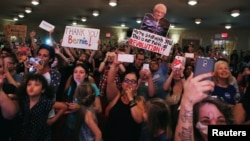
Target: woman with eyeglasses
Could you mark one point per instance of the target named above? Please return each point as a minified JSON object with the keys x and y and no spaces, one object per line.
{"x":125,"y":110}
{"x":198,"y":110}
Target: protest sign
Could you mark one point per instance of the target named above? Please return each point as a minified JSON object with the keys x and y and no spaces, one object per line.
{"x":16,"y":30}
{"x":149,"y":41}
{"x":79,"y":37}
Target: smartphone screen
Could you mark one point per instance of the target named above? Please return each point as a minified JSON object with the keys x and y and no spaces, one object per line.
{"x":204,"y":65}
{"x":146,"y":66}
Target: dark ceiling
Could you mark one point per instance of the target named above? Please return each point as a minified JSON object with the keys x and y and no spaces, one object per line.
{"x":214,"y":13}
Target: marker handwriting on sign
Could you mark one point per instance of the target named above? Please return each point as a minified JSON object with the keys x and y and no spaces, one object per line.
{"x":92,"y":34}
{"x":80,"y":32}
{"x":72,"y":40}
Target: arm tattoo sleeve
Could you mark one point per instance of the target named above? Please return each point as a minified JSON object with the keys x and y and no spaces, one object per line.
{"x":187,"y":116}
{"x":186,"y":133}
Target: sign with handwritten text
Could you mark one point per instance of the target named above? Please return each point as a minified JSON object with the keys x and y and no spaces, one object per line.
{"x":79,"y":37}
{"x":16,"y":30}
{"x":152,"y":42}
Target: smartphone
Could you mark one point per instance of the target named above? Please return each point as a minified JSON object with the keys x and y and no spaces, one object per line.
{"x":204,"y":65}
{"x":145,"y":66}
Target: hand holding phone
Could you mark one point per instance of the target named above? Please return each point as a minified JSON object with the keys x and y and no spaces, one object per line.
{"x":145,"y":66}
{"x":204,"y":65}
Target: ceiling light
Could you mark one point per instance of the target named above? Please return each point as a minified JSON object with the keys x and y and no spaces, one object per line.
{"x":228,"y":26}
{"x":123,"y":25}
{"x":192,"y":2}
{"x":138,"y":20}
{"x":20,"y":15}
{"x":235,"y":13}
{"x":35,"y":2}
{"x":172,"y":26}
{"x":197,"y":21}
{"x":74,"y":23}
{"x":84,"y":19}
{"x":15,"y":19}
{"x":113,"y":3}
{"x":95,"y":13}
{"x":28,"y":10}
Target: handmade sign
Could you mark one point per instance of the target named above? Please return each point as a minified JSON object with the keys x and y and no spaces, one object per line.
{"x":16,"y":30}
{"x":152,"y":42}
{"x":79,"y":37}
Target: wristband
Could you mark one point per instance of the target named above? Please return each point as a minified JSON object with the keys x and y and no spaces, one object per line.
{"x":132,"y":103}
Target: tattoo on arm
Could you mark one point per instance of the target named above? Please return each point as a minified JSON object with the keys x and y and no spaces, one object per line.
{"x":187,"y":116}
{"x":186,"y":133}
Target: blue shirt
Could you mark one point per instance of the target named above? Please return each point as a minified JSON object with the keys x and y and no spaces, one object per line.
{"x":159,"y":78}
{"x":226,"y":94}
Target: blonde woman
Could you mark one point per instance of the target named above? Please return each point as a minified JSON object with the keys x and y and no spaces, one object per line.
{"x":223,"y":83}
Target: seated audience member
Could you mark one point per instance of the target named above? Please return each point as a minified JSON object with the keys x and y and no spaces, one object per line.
{"x":198,"y":110}
{"x":157,"y":118}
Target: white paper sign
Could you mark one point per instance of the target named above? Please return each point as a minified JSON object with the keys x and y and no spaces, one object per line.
{"x":152,"y":42}
{"x":46,"y":26}
{"x":79,"y":37}
{"x":126,"y":58}
{"x":189,"y":55}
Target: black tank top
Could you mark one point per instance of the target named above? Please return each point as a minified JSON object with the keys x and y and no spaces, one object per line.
{"x":5,"y":128}
{"x":120,"y":125}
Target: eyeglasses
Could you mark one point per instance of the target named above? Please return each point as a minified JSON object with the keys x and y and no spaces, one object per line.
{"x":132,"y":81}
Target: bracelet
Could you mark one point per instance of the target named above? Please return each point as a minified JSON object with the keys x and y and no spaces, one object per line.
{"x":132,"y":103}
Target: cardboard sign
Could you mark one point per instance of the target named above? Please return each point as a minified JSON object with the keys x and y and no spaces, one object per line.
{"x":16,"y":30}
{"x":46,"y":26}
{"x":79,"y":37}
{"x":152,"y":42}
{"x":151,"y":24}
